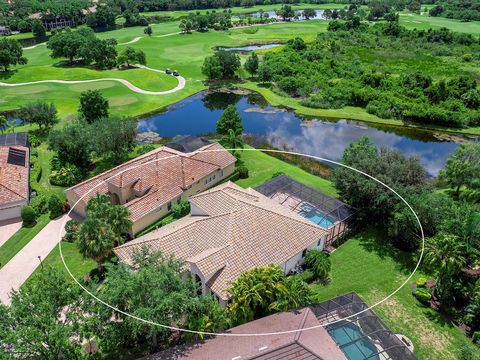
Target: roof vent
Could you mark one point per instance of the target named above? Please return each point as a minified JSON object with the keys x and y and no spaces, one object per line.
{"x":16,"y":157}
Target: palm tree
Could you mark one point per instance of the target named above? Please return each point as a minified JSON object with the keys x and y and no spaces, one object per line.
{"x":445,"y":254}
{"x":233,"y":141}
{"x":320,"y":264}
{"x":293,"y":294}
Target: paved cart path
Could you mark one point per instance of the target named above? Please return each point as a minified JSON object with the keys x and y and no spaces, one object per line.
{"x":128,"y":84}
{"x":24,"y":263}
{"x":8,"y":228}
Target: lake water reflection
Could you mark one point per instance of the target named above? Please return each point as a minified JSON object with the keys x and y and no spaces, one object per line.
{"x":282,"y":129}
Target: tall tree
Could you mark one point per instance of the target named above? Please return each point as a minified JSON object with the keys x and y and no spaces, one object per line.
{"x":93,"y":106}
{"x":251,"y":65}
{"x":132,"y":56}
{"x":72,"y":144}
{"x":41,"y":113}
{"x":38,"y":29}
{"x":221,"y":65}
{"x":463,"y":166}
{"x":43,"y":320}
{"x":172,"y":299}
{"x":309,"y":13}
{"x":230,"y":119}
{"x":233,"y":141}
{"x":113,"y":137}
{"x":11,"y":53}
{"x":102,"y":229}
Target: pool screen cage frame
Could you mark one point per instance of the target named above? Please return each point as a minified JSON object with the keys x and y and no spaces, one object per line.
{"x":389,"y":346}
{"x":331,"y":208}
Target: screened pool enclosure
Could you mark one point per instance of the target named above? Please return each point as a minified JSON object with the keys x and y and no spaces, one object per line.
{"x":363,"y":336}
{"x":326,"y":211}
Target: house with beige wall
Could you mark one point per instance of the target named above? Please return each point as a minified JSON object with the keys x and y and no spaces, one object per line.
{"x":149,"y":185}
{"x":231,"y":230}
{"x":14,"y":175}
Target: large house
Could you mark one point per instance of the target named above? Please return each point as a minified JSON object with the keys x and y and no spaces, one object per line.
{"x":150,"y":184}
{"x":231,"y":230}
{"x":14,"y":174}
{"x":337,"y":329}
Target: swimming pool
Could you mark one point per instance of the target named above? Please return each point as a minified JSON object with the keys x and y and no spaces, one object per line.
{"x":316,"y":216}
{"x":348,"y":337}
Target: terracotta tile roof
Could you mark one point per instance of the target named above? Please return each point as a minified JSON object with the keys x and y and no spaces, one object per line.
{"x":311,"y":344}
{"x":243,"y":229}
{"x":158,"y":182}
{"x":13,"y":178}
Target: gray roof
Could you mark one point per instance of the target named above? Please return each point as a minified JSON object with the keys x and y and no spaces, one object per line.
{"x":14,"y":139}
{"x":187,"y":143}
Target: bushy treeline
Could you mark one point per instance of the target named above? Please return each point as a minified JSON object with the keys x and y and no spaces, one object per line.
{"x":343,"y":67}
{"x":457,"y":9}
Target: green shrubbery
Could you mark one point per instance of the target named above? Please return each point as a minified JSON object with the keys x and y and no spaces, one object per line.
{"x":67,"y":175}
{"x":72,"y":227}
{"x":29,"y":216}
{"x":329,"y":73}
{"x":319,"y":263}
{"x":40,"y":204}
{"x":242,"y":171}
{"x":181,"y":209}
{"x":55,"y":206}
{"x":421,"y":282}
{"x":422,"y":295}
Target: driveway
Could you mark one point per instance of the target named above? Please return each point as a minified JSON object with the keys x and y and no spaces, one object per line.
{"x":24,"y":263}
{"x":8,"y":228}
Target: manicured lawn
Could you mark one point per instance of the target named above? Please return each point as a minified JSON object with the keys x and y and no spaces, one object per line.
{"x":40,"y":174}
{"x":374,"y":271}
{"x":261,"y":167}
{"x":75,"y":262}
{"x":424,"y":22}
{"x":21,"y":238}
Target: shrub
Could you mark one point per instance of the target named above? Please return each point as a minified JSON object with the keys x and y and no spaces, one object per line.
{"x":277,"y":173}
{"x":476,"y":337}
{"x":181,"y":209}
{"x":307,"y":276}
{"x":72,"y":227}
{"x":55,"y":206}
{"x":242,"y":171}
{"x":421,"y":282}
{"x":28,"y":216}
{"x":40,"y":204}
{"x":319,"y":263}
{"x":422,"y":295}
{"x":66,"y":175}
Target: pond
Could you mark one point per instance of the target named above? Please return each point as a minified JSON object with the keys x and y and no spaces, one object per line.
{"x":248,"y":47}
{"x":282,"y":129}
{"x":272,"y":14}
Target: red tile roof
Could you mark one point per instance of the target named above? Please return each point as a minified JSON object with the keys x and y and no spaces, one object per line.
{"x":158,"y":181}
{"x":13,"y":178}
{"x":311,"y":344}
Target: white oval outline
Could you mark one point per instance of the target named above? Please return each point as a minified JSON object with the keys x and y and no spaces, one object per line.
{"x":245,"y":334}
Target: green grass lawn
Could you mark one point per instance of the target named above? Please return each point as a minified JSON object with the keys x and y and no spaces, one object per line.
{"x":75,"y":262}
{"x":262,"y":166}
{"x":21,"y":238}
{"x":374,"y":271}
{"x":424,"y":22}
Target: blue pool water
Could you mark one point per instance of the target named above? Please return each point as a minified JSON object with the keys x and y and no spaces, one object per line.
{"x":316,"y":217}
{"x":347,"y":333}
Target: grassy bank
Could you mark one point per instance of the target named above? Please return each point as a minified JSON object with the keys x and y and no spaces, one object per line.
{"x":348,"y":112}
{"x":262,"y":166}
{"x":374,"y":271}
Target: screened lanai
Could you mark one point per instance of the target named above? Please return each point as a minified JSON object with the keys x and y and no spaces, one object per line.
{"x":326,"y":211}
{"x":363,"y":336}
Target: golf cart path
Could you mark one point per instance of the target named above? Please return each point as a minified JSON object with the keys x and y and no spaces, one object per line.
{"x":14,"y":273}
{"x":138,"y":38}
{"x":128,"y":84}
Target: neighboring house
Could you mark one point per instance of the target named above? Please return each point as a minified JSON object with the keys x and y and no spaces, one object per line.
{"x":231,"y":230}
{"x":149,"y":191}
{"x":337,"y":329}
{"x":306,"y":345}
{"x":14,"y":174}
